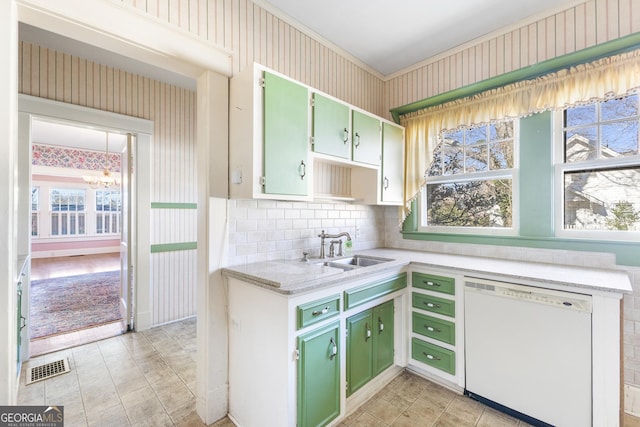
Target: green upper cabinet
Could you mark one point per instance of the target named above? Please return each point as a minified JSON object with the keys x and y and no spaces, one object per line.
{"x":366,"y":138}
{"x":286,"y":134}
{"x":392,"y":164}
{"x":319,"y":377}
{"x":331,"y":127}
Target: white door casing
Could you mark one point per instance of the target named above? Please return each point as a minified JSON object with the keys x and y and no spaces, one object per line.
{"x":139,"y":218}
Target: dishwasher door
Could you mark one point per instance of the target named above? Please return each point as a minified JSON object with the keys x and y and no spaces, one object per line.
{"x":529,"y":350}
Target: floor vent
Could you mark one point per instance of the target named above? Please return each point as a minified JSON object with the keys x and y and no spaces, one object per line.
{"x":48,"y":370}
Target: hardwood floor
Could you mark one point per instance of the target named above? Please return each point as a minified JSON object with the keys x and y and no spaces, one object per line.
{"x":45,"y":268}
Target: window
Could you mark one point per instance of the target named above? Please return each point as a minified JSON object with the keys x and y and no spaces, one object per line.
{"x":108,"y":207}
{"x":67,"y":212}
{"x":599,"y":169}
{"x":471,"y":180}
{"x":35,"y":211}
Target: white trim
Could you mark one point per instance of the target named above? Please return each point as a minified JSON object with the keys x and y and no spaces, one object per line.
{"x":119,"y":28}
{"x":143,"y":129}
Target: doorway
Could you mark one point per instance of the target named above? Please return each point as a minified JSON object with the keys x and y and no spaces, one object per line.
{"x":85,"y":233}
{"x":77,"y":227}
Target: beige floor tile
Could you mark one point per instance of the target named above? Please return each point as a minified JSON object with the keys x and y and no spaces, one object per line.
{"x":466,"y":409}
{"x":139,"y":410}
{"x":631,"y":421}
{"x":383,"y":410}
{"x":367,"y":420}
{"x":492,"y":418}
{"x":452,"y":420}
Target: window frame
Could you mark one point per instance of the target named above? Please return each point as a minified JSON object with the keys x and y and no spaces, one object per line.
{"x":511,"y":173}
{"x":69,"y":213}
{"x":107,"y":215}
{"x":560,"y":167}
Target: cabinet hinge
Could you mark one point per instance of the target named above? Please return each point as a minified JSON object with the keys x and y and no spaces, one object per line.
{"x":346,"y":333}
{"x":312,"y":102}
{"x":296,"y":354}
{"x":263,"y":180}
{"x":261,"y":82}
{"x":312,"y":143}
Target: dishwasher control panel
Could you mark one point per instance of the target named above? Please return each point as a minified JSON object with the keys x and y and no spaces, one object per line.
{"x":567,"y":300}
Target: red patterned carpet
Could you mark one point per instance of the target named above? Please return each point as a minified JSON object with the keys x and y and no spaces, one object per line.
{"x":71,"y":303}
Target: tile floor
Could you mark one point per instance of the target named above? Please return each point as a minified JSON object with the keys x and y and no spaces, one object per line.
{"x":149,"y":379}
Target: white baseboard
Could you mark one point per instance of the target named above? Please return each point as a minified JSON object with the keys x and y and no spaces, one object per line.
{"x":632,"y":400}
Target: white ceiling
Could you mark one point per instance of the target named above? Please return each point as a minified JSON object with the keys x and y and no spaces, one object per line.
{"x":389,"y":36}
{"x":76,"y":136}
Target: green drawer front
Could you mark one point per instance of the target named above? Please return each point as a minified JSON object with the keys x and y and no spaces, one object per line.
{"x":432,"y":355}
{"x":441,"y":330}
{"x":316,"y":311}
{"x":446,"y":285}
{"x":443,"y":306}
{"x":366,"y":293}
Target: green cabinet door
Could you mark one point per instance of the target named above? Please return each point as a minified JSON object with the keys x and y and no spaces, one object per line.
{"x":392,"y":163}
{"x":359,"y":350}
{"x":286,"y":134}
{"x":383,"y":337}
{"x":331,"y":129}
{"x":318,"y":376}
{"x":366,"y":139}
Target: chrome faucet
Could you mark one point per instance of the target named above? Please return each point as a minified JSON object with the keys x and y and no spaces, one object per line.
{"x":324,"y":235}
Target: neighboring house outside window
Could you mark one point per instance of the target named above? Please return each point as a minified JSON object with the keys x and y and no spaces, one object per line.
{"x":598,"y":169}
{"x":470,"y":182}
{"x":35,"y":211}
{"x":108,"y":208}
{"x":67,"y":212}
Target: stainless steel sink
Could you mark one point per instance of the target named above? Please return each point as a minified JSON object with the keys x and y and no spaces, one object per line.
{"x":353,"y":262}
{"x":360,"y":261}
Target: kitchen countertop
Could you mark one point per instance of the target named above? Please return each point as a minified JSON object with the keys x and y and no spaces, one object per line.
{"x":294,"y":276}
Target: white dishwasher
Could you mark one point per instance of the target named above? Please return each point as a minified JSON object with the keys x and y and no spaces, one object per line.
{"x":528,"y":350}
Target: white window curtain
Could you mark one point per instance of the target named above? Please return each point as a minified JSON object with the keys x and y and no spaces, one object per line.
{"x":596,"y":81}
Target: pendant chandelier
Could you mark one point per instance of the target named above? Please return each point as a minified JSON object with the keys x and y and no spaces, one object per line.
{"x":106,"y":179}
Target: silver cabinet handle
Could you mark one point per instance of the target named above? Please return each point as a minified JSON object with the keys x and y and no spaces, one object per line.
{"x":431,"y":356}
{"x":319,"y":312}
{"x":432,"y":305}
{"x":386,"y":182}
{"x":430,"y":283}
{"x":432,"y":329}
{"x":345,"y":137}
{"x":333,"y":349}
{"x":356,"y":140}
{"x":23,"y":322}
{"x":302,"y":169}
{"x":367,"y":332}
{"x":380,"y":325}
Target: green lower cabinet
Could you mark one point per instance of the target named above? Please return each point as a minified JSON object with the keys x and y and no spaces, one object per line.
{"x":384,"y":339}
{"x":370,"y":345}
{"x":319,"y":376}
{"x":359,"y":350}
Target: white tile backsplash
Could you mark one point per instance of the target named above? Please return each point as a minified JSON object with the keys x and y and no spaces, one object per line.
{"x":261,"y":230}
